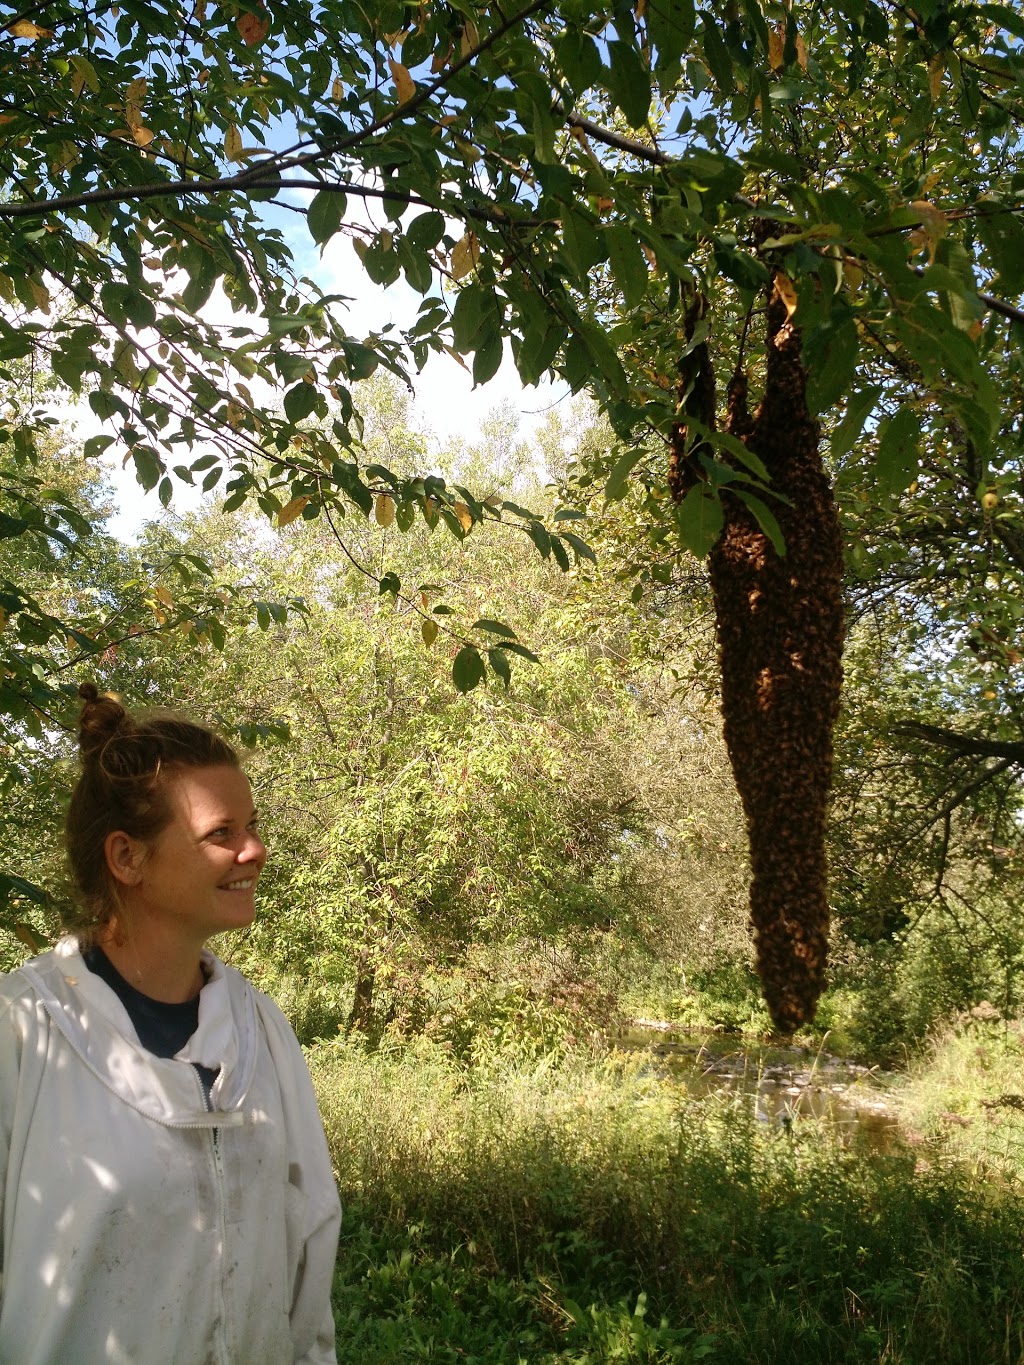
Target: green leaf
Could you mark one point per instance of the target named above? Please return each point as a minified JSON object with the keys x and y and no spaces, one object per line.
{"x":300,"y":401}
{"x":765,"y":519}
{"x":325,"y":215}
{"x":539,"y":535}
{"x":670,"y":24}
{"x":629,"y":82}
{"x":627,"y":261}
{"x":495,"y":627}
{"x":514,"y":647}
{"x":1005,"y":17}
{"x":831,"y":352}
{"x":858,"y":408}
{"x":717,"y":55}
{"x":699,"y":519}
{"x":500,"y":665}
{"x":583,"y":242}
{"x":898,"y":457}
{"x":467,"y":668}
{"x":618,"y":479}
{"x":582,"y":549}
{"x":488,"y":356}
{"x":468,"y":315}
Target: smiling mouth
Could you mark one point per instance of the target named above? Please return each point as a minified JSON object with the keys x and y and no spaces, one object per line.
{"x":240,"y":886}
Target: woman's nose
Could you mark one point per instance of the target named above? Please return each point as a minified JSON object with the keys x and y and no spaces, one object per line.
{"x":254,"y":850}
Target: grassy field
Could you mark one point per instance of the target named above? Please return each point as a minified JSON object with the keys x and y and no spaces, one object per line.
{"x":585,"y":1210}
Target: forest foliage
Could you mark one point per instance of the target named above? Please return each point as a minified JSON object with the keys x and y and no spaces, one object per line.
{"x":558,"y":183}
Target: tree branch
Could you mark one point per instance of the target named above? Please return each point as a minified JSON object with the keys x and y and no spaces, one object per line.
{"x":618,"y":141}
{"x":970,"y":745}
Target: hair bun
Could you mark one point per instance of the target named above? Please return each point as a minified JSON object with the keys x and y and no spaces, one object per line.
{"x":101,"y":718}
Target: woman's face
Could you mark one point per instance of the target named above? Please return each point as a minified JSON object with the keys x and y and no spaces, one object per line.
{"x":198,"y":876}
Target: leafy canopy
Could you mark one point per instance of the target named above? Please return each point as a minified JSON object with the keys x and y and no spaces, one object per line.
{"x":559,"y":180}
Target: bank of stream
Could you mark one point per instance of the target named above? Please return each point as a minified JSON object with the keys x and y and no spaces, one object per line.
{"x":786,"y":1082}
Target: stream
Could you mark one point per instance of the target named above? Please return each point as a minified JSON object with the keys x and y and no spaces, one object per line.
{"x":786,"y":1083}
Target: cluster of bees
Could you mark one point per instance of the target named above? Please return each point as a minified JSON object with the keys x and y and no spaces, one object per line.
{"x":780,"y":634}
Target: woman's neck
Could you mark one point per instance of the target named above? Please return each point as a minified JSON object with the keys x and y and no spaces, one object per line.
{"x":168,"y":972}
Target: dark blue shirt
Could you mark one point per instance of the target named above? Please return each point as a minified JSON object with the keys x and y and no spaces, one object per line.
{"x":163,"y":1028}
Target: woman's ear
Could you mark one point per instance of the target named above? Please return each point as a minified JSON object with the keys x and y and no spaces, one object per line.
{"x":124,"y":857}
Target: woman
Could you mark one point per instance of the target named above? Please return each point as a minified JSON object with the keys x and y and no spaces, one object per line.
{"x":167,"y":1190}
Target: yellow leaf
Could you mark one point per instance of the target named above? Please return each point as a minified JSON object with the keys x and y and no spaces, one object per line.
{"x":470,"y":39}
{"x":776,"y":47}
{"x":338,"y":89}
{"x":65,"y":157}
{"x":429,"y":631}
{"x":404,"y":83}
{"x":465,"y":255}
{"x":787,"y":293}
{"x":470,"y":154}
{"x":936,"y":71}
{"x":430,"y":512}
{"x":801,"y":53}
{"x":464,"y":515}
{"x":252,"y":28}
{"x":853,"y":272}
{"x":163,"y":595}
{"x":25,"y":28}
{"x":384,"y":509}
{"x":440,"y":60}
{"x":133,"y":98}
{"x":933,"y":227}
{"x":291,"y":510}
{"x":40,"y":293}
{"x":143,"y":136}
{"x":233,"y":143}
{"x":236,"y":415}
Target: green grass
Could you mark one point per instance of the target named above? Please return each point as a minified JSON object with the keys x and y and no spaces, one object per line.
{"x":966,"y":1092}
{"x":587,"y":1211}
